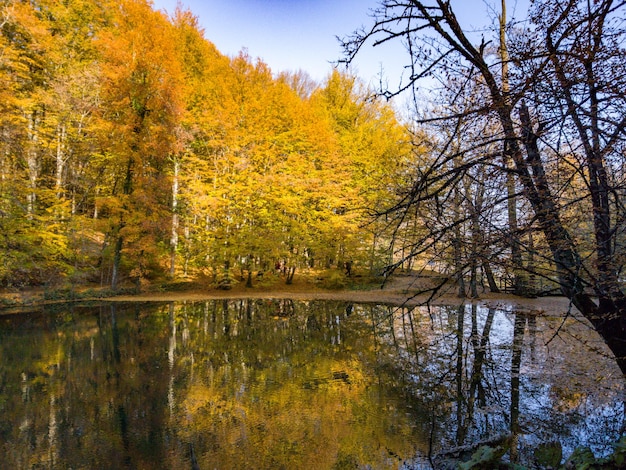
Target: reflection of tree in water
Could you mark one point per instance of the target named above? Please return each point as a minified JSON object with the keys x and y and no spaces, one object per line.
{"x":486,"y":377}
{"x":270,"y":383}
{"x":289,"y":391}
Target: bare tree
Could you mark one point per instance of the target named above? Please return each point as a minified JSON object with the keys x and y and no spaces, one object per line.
{"x":562,"y":100}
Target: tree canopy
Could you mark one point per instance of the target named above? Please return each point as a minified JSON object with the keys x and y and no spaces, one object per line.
{"x":132,"y":149}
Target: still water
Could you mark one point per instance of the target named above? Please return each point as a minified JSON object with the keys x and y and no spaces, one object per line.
{"x":234,"y":384}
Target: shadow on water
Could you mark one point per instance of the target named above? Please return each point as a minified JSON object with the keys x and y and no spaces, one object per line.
{"x":288,"y":384}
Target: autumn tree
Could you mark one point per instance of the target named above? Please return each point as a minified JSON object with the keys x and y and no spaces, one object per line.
{"x":374,"y":146}
{"x":141,"y":109}
{"x":22,"y":64}
{"x":564,"y":98}
{"x":206,"y":74}
{"x":50,"y":87}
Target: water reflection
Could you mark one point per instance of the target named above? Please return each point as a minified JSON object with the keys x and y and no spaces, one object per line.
{"x":286,"y":384}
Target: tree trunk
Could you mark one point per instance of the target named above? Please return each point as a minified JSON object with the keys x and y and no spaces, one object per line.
{"x":117,"y":257}
{"x":519,"y":287}
{"x":607,"y":317}
{"x":457,"y":246}
{"x":531,"y":285}
{"x":119,"y":243}
{"x":60,"y":160}
{"x":474,"y":205}
{"x":491,"y":280}
{"x":175,"y":223}
{"x":32,"y":161}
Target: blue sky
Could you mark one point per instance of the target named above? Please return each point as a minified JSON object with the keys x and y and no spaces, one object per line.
{"x":300,"y":34}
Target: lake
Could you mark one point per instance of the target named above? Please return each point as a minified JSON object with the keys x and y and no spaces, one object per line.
{"x":275,"y":383}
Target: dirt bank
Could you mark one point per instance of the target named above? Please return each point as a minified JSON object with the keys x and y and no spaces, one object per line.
{"x":406,"y":290}
{"x":403,"y":289}
{"x":545,"y":304}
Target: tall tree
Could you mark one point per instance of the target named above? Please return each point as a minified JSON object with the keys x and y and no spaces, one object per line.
{"x":516,"y":255}
{"x":208,"y":101}
{"x":142,"y":106}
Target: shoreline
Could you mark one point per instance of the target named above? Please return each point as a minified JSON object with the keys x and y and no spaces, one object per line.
{"x":397,"y":298}
{"x":553,"y":305}
{"x":401,"y":290}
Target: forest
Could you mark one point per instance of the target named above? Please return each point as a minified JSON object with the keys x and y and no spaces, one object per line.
{"x":132,"y":150}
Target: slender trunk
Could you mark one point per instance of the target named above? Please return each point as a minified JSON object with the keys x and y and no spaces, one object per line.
{"x":516,"y":254}
{"x":474,"y":205}
{"x":473,"y":279}
{"x":32,"y":161}
{"x":373,"y":252}
{"x":531,"y":286}
{"x":491,"y":280}
{"x":60,"y":160}
{"x":119,"y":242}
{"x":457,"y":247}
{"x":175,"y":223}
{"x":186,"y":248}
{"x":117,"y":258}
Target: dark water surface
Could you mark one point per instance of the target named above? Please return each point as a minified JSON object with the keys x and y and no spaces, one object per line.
{"x":233,"y":384}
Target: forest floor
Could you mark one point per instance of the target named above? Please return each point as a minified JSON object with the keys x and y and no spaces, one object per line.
{"x":406,"y":289}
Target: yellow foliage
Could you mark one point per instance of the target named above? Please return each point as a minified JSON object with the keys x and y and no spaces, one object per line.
{"x":104,"y":99}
